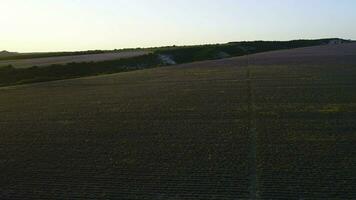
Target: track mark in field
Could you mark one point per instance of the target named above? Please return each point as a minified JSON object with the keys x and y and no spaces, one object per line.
{"x":253,"y":135}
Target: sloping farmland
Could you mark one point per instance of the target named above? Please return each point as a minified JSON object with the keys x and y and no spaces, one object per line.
{"x":278,"y":125}
{"x":59,"y":60}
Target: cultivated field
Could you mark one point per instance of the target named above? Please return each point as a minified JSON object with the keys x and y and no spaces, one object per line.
{"x":41,"y":62}
{"x":278,"y":125}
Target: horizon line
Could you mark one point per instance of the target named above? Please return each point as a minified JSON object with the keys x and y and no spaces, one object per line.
{"x":174,"y":45}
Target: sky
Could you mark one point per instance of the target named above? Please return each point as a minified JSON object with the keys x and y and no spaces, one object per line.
{"x":71,"y":25}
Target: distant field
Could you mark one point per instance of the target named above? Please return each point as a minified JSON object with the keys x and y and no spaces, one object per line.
{"x":41,"y":62}
{"x":75,"y":65}
{"x":179,"y":54}
{"x":277,"y":125}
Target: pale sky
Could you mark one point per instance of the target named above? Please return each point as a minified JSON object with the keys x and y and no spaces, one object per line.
{"x":68,"y":25}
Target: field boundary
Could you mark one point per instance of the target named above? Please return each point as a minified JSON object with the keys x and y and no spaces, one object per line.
{"x":254,"y":189}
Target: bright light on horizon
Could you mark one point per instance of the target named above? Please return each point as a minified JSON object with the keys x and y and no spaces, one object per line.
{"x":71,"y":25}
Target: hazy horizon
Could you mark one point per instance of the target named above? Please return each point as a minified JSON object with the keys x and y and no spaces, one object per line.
{"x":133,"y":48}
{"x":37,"y":26}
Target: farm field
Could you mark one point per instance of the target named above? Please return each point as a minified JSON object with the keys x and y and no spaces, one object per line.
{"x":58,"y":60}
{"x":90,"y":63}
{"x":276,"y":125}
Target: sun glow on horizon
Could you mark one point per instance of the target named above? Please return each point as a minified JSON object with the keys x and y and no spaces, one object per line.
{"x":67,"y":25}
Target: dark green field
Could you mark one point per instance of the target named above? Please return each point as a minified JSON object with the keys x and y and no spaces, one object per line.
{"x":278,"y":125}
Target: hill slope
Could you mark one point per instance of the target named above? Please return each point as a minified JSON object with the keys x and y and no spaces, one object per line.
{"x":57,"y":60}
{"x":278,"y":125}
{"x":75,"y":64}
{"x":6,"y":54}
